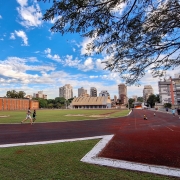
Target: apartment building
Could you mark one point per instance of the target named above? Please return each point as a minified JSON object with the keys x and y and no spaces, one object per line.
{"x":93,"y":92}
{"x":122,"y":88}
{"x":66,"y":91}
{"x":169,"y":90}
{"x":82,"y":92}
{"x":147,"y":91}
{"x":40,"y":95}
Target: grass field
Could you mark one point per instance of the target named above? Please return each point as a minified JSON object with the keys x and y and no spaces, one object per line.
{"x":60,"y":115}
{"x":60,"y":162}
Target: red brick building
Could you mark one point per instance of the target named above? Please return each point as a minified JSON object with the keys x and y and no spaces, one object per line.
{"x":17,"y":104}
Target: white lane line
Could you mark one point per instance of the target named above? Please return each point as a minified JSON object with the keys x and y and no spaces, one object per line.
{"x":170,"y":129}
{"x":92,"y":158}
{"x":49,"y":142}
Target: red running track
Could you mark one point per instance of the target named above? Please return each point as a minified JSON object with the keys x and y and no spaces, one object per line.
{"x":153,"y":141}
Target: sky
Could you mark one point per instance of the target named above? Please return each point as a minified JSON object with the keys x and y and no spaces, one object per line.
{"x":33,"y":59}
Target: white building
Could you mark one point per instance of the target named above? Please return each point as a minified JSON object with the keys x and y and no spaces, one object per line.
{"x":169,"y":91}
{"x":66,"y":91}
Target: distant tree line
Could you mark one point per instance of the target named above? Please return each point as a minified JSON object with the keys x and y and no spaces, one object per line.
{"x":15,"y":94}
{"x":152,"y":99}
{"x":58,"y":102}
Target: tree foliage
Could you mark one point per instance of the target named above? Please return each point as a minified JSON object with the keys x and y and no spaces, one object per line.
{"x":130,"y":101}
{"x":167,"y":105}
{"x":140,"y":99}
{"x":15,"y":94}
{"x":135,"y":34}
{"x":152,"y":99}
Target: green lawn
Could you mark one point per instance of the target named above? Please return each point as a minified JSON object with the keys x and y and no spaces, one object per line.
{"x":60,"y":161}
{"x":59,"y":115}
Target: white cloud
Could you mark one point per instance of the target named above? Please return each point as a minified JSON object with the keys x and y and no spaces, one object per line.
{"x":54,"y":57}
{"x":12,"y":36}
{"x":47,"y":51}
{"x":22,"y":2}
{"x":14,"y":70}
{"x":70,"y":62}
{"x":84,"y":46}
{"x":30,"y":16}
{"x":92,"y":77}
{"x":87,"y":66}
{"x":22,"y":35}
{"x":0,"y":17}
{"x":99,"y":64}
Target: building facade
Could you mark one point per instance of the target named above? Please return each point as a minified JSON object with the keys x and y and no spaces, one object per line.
{"x":66,"y":91}
{"x":122,"y":88}
{"x":40,"y":95}
{"x":169,"y":91}
{"x":147,"y":91}
{"x":81,"y":91}
{"x":165,"y":91}
{"x":93,"y":92}
{"x":18,"y":104}
{"x":176,"y":82}
{"x":104,"y":93}
{"x":102,"y":102}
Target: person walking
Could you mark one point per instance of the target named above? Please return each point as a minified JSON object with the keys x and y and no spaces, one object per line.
{"x":173,"y":112}
{"x":178,"y":112}
{"x":28,"y":116}
{"x":167,"y":110}
{"x":34,"y":115}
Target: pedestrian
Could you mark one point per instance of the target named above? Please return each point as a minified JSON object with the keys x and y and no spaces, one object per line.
{"x":173,"y":112}
{"x":178,"y":112}
{"x":167,"y":110}
{"x":145,"y":118}
{"x":154,"y":114}
{"x":28,"y":116}
{"x":34,"y":115}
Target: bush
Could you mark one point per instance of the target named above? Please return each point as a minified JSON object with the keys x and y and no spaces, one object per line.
{"x":167,"y":105}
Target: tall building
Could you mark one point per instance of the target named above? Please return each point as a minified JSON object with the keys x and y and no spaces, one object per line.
{"x":93,"y":92}
{"x":40,"y":95}
{"x":81,"y":91}
{"x":66,"y":91}
{"x":169,"y":90}
{"x":104,"y":93}
{"x":176,"y":82}
{"x":147,"y":91}
{"x":122,"y":88}
{"x":115,"y":98}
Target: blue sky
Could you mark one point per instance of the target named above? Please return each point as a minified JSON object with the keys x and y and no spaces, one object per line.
{"x":33,"y":59}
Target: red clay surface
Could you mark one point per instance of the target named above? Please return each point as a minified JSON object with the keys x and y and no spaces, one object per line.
{"x":153,"y":141}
